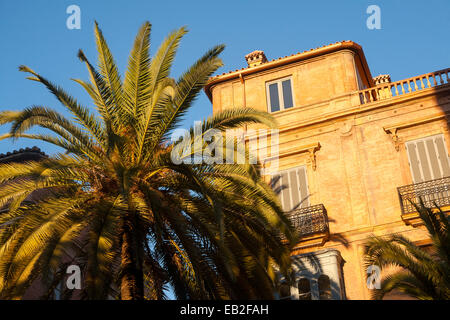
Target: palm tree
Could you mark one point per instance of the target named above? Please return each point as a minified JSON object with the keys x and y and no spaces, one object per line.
{"x":117,"y":205}
{"x":425,"y":275}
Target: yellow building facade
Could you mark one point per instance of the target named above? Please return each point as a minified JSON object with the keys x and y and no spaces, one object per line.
{"x":351,"y":150}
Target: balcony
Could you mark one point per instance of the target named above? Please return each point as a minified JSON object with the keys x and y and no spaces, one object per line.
{"x":390,"y":90}
{"x":431,"y":192}
{"x":312,"y":223}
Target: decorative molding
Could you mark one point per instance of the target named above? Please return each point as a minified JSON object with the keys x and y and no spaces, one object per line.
{"x":392,"y":130}
{"x":241,"y":78}
{"x":413,"y":219}
{"x":315,"y":240}
{"x":346,"y":129}
{"x":312,"y":155}
{"x":393,"y":134}
{"x":311,"y":149}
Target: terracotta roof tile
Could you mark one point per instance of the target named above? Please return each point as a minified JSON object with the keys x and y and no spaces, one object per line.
{"x":276,"y":59}
{"x":22,"y":155}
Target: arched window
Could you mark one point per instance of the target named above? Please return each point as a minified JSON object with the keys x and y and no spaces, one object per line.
{"x":304,"y":289}
{"x":324,"y":287}
{"x":285,"y":291}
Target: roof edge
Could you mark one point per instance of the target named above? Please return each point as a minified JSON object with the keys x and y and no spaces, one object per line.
{"x":22,"y":155}
{"x":338,"y":46}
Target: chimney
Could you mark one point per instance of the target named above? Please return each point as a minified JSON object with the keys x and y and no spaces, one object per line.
{"x":255,"y":58}
{"x":382,"y":78}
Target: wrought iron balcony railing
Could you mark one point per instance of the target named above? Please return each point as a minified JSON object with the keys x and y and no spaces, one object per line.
{"x":310,"y":220}
{"x":431,"y":192}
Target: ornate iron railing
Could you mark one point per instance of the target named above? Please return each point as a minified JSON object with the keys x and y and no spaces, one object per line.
{"x":431,"y":192}
{"x":310,"y":220}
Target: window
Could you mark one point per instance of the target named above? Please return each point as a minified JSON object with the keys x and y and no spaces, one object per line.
{"x":304,"y":289}
{"x":285,"y":291}
{"x":292,"y":188}
{"x":428,"y":158}
{"x":279,"y":94}
{"x":324,"y":287}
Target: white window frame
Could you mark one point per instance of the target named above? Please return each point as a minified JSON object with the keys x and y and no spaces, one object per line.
{"x":280,"y":94}
{"x":424,"y":139}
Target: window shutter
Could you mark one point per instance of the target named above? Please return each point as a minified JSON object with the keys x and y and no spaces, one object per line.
{"x":442,"y":155}
{"x":285,"y":196}
{"x":304,"y":194}
{"x":428,"y":159}
{"x":434,"y":159}
{"x":424,"y":163}
{"x":414,"y":162}
{"x":294,"y":189}
{"x":276,"y":184}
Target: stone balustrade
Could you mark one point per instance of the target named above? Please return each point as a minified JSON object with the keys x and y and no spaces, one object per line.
{"x":406,"y":86}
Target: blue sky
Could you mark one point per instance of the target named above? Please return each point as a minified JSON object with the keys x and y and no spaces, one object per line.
{"x":414,"y":39}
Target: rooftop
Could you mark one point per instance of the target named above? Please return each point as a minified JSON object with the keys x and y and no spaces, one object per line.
{"x":23,"y":155}
{"x":333,"y":47}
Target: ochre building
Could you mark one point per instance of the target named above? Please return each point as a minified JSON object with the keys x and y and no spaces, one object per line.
{"x":352,"y":149}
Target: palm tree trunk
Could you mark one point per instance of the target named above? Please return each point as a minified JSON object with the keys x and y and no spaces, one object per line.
{"x":131,"y":277}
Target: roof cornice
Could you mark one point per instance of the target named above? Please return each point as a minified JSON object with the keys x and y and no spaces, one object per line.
{"x":338,"y":46}
{"x":27,"y":154}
